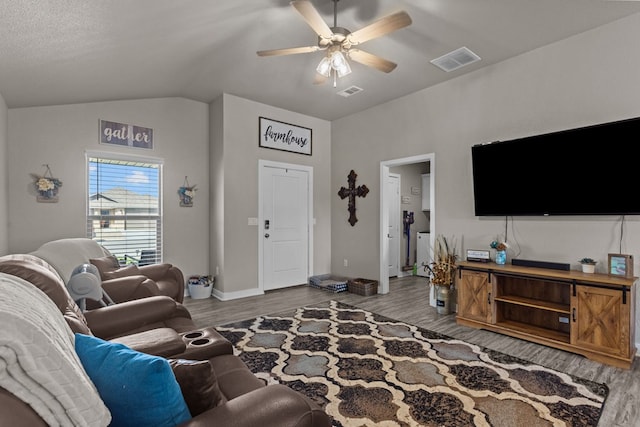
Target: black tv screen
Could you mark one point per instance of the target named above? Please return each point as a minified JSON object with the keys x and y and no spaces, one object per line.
{"x":592,"y":170}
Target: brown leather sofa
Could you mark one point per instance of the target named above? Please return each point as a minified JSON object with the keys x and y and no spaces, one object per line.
{"x":241,"y":399}
{"x":121,"y":283}
{"x":156,"y":325}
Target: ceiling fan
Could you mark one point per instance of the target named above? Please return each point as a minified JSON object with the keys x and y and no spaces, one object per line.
{"x":339,"y":43}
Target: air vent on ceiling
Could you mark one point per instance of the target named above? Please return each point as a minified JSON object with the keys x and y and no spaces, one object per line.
{"x":351,"y":90}
{"x":455,"y":59}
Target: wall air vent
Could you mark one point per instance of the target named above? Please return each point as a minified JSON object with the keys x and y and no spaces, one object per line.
{"x":351,"y":90}
{"x":455,"y":59}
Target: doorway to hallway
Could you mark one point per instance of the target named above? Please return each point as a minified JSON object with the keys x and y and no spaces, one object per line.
{"x":386,"y":200}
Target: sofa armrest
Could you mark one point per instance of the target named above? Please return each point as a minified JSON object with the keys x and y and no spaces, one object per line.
{"x":155,"y":271}
{"x":168,"y":273}
{"x":117,"y":319}
{"x":271,"y":406}
{"x":130,"y":288}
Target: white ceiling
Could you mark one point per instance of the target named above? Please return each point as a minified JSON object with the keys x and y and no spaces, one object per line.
{"x":74,"y":51}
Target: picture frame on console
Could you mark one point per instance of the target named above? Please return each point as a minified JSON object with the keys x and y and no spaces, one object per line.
{"x":621,"y":265}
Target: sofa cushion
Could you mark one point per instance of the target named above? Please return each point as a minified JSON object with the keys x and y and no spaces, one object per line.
{"x":163,"y":342}
{"x":104,"y":264}
{"x":39,"y":276}
{"x":129,"y":270}
{"x":66,"y":254}
{"x":139,"y":389}
{"x":48,"y":281}
{"x":198,"y":383}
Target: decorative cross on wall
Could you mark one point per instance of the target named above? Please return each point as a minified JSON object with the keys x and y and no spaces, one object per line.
{"x":351,"y":193}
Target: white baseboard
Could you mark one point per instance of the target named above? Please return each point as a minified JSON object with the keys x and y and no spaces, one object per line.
{"x":228,"y":296}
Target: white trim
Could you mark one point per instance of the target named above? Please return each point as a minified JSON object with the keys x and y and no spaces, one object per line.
{"x":116,"y":155}
{"x":399,"y":239}
{"x":228,"y":296}
{"x":262,"y":164}
{"x":110,"y":155}
{"x":384,"y":212}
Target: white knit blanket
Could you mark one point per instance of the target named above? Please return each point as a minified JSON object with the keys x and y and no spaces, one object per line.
{"x":38,"y":362}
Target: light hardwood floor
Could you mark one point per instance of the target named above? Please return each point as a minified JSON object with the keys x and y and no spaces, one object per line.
{"x":408,"y":301}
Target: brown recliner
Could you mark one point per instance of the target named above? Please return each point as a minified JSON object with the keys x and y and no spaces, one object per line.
{"x":238,"y":398}
{"x":121,"y":283}
{"x":168,"y":279}
{"x":156,"y":325}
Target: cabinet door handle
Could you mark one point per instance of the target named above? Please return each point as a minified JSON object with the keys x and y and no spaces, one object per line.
{"x":489,"y":298}
{"x":573,"y":314}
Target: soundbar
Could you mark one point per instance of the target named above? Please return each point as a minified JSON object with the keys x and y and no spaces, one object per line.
{"x":541,"y":264}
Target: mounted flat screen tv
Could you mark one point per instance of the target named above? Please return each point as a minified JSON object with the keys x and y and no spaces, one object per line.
{"x":592,"y":170}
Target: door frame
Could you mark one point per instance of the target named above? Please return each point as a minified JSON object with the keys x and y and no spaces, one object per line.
{"x":399,"y":237}
{"x":262,"y":165}
{"x":384,"y":212}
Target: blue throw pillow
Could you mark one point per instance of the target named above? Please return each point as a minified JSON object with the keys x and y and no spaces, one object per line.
{"x":139,"y":389}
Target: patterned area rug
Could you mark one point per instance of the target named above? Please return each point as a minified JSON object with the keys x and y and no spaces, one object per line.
{"x":366,"y":370}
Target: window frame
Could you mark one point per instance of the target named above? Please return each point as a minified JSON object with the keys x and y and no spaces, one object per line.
{"x":91,"y":219}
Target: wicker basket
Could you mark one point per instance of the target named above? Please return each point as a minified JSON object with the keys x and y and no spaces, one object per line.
{"x":363,"y":287}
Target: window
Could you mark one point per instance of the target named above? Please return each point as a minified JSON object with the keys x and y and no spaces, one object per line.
{"x":124,"y":208}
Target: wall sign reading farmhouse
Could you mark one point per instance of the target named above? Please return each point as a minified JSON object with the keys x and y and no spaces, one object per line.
{"x":123,"y":134}
{"x":283,"y":136}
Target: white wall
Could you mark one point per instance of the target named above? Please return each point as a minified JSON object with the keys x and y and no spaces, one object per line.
{"x":587,"y":79}
{"x":4,"y":182}
{"x":238,"y":256}
{"x":60,"y":135}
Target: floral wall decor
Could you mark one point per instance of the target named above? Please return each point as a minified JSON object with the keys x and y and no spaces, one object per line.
{"x":186,"y":193}
{"x":47,"y":186}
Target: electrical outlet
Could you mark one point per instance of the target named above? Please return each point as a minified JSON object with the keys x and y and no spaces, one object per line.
{"x":217,"y":270}
{"x":346,"y":263}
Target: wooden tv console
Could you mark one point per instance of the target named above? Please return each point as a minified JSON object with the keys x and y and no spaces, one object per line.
{"x":588,"y":314}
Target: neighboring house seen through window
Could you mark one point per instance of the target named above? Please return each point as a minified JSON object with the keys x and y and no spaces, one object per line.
{"x":124,"y":208}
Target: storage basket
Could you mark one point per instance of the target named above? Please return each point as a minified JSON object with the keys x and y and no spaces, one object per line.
{"x":329,"y":283}
{"x":200,"y":287}
{"x":362,"y":286}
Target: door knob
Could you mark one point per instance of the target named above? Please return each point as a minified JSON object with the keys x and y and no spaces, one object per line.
{"x":266,"y":235}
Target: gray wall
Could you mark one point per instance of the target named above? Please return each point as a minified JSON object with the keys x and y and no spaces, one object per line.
{"x":60,"y":135}
{"x":235,"y":181}
{"x":4,"y":182}
{"x":583,"y":80}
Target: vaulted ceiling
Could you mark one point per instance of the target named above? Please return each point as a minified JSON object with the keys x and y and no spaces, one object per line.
{"x":74,"y":51}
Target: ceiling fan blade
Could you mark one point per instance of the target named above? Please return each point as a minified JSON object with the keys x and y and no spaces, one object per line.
{"x":288,"y":51}
{"x":372,"y":60}
{"x":313,"y":18}
{"x":380,"y":27}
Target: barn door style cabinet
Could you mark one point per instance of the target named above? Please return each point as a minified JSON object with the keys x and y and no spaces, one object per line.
{"x":588,"y":314}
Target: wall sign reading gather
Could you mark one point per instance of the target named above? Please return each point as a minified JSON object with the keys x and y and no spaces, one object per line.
{"x":284,"y":136}
{"x":124,"y":134}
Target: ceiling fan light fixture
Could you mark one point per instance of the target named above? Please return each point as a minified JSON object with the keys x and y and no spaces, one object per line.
{"x":340,"y":64}
{"x":324,"y":67}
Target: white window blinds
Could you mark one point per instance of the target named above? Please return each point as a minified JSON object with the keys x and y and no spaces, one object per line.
{"x":124,"y":208}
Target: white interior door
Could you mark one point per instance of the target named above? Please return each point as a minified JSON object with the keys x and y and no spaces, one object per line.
{"x":284,"y":228}
{"x":393,"y":234}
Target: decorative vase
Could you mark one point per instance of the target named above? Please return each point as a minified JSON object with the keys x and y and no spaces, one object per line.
{"x":588,"y":268}
{"x":442,"y":300}
{"x":501,"y":257}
